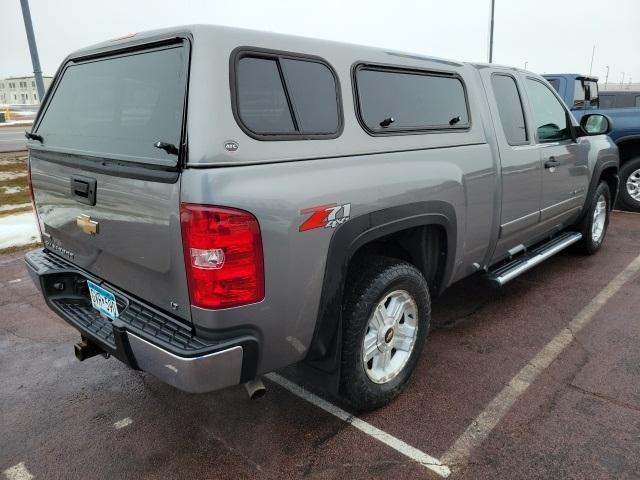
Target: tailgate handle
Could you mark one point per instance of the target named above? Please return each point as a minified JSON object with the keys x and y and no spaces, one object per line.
{"x":83,"y":189}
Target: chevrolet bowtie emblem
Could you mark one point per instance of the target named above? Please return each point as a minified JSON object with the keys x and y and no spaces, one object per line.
{"x":88,"y":226}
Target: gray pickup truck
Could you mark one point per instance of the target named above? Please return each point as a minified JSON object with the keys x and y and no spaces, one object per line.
{"x":218,"y":203}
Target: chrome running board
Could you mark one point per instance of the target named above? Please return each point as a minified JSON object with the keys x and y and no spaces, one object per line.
{"x":513,"y":268}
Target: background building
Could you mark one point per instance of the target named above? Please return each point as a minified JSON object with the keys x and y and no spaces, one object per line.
{"x":21,"y":90}
{"x":619,"y":86}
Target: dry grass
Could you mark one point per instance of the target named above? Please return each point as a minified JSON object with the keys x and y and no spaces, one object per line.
{"x":19,"y":248}
{"x":14,"y":190}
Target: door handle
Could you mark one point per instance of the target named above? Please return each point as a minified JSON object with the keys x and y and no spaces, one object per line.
{"x":551,"y":163}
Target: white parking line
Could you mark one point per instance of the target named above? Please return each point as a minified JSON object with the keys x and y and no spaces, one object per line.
{"x":18,"y":472}
{"x":125,"y":422}
{"x":398,"y":445}
{"x":484,"y":423}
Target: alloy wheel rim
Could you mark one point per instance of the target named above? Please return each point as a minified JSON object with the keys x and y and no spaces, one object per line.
{"x":633,"y":185}
{"x":390,"y":336}
{"x":599,"y":219}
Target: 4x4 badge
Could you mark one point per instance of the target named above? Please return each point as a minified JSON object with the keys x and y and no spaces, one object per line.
{"x":325,"y":216}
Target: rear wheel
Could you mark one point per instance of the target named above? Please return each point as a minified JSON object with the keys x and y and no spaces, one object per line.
{"x":595,"y":223}
{"x":386,"y":320}
{"x":629,"y":198}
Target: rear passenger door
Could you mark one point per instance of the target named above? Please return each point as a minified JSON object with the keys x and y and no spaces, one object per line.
{"x":565,"y":174}
{"x":519,"y":158}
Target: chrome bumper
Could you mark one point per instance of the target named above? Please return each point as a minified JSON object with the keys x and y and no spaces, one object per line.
{"x":195,"y":374}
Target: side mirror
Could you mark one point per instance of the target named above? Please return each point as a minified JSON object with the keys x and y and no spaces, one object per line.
{"x":596,"y":124}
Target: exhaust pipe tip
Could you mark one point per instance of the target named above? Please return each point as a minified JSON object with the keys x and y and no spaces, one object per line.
{"x":255,"y":388}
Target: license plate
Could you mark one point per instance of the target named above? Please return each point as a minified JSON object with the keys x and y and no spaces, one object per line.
{"x":103,"y":300}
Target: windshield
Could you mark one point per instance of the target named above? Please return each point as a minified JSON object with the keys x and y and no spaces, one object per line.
{"x":118,"y":107}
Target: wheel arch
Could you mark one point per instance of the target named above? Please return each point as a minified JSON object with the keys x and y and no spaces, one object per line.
{"x":607,"y":170}
{"x":351,"y":238}
{"x":629,"y":147}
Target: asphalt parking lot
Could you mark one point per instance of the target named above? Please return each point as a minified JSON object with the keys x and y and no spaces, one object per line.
{"x":12,"y":138}
{"x":540,"y":379}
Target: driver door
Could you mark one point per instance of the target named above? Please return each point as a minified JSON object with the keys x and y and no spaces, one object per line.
{"x":565,"y":172}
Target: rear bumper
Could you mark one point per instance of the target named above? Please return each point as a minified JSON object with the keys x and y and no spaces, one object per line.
{"x":143,"y":337}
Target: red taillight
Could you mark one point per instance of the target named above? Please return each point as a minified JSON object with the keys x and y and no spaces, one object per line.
{"x":223,"y":256}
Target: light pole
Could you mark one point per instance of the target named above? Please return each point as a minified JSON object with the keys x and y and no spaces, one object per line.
{"x":493,"y":4}
{"x":525,"y":65}
{"x":37,"y":73}
{"x":593,"y":52}
{"x":606,"y":78}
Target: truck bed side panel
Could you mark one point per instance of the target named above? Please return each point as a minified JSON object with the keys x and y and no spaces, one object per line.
{"x":295,"y":261}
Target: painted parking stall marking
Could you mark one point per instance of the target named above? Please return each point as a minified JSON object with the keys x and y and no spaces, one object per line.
{"x":125,"y":422}
{"x":398,"y":445}
{"x":18,"y":472}
{"x":483,"y":424}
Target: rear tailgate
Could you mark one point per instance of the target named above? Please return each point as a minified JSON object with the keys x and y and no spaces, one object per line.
{"x":107,"y":199}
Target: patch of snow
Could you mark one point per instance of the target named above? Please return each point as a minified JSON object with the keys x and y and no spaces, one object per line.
{"x":16,"y":230}
{"x":12,"y":190}
{"x":4,"y":176}
{"x":16,"y":123}
{"x":15,"y":206}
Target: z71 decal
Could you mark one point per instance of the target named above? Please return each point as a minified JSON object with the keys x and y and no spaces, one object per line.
{"x":325,"y":216}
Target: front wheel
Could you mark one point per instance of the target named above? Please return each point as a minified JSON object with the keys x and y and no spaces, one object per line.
{"x":386,"y":321}
{"x":629,"y":198}
{"x":595,"y":223}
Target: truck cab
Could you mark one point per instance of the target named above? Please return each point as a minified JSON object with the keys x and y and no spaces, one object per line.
{"x":582,"y":96}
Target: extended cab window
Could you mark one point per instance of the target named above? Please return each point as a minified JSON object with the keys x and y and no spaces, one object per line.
{"x":509,"y":108}
{"x":118,"y":106}
{"x":288,"y":98}
{"x":550,"y":117}
{"x":392,"y":101}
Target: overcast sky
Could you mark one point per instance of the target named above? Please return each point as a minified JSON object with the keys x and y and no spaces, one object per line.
{"x":551,"y":35}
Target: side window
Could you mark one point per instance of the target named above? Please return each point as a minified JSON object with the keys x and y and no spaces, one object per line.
{"x":592,"y":90}
{"x":555,"y":83}
{"x":313,"y":92}
{"x":637,"y":100}
{"x":607,"y":101}
{"x":392,"y":101}
{"x":625,"y":101}
{"x":282,"y":97}
{"x":261,"y":99}
{"x":550,"y":117}
{"x":579,"y":97}
{"x":510,"y":108}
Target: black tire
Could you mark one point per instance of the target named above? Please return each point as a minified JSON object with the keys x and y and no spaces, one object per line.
{"x":625,"y":200}
{"x":368,"y":284}
{"x":588,"y":245}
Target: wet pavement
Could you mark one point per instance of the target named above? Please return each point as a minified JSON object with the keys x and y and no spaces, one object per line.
{"x":580,"y":418}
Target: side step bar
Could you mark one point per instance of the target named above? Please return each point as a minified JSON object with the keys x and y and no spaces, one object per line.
{"x":513,"y":268}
